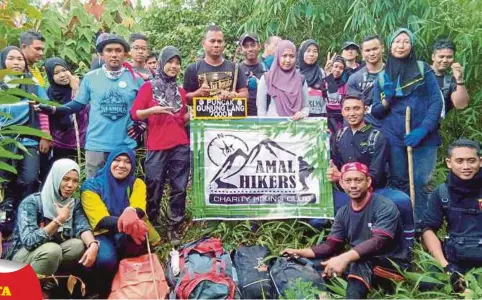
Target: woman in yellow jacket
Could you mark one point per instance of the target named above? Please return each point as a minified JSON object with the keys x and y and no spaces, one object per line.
{"x":114,"y":202}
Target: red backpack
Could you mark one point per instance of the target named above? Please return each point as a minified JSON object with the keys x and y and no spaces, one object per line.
{"x":206,"y":272}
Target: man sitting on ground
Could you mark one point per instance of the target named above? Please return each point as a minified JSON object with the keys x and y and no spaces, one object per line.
{"x":372,"y":225}
{"x":459,"y":202}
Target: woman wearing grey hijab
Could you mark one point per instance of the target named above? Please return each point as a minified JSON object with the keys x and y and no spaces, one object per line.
{"x":52,"y":232}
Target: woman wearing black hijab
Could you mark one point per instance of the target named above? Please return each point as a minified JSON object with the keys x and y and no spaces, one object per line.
{"x":163,"y":104}
{"x":314,"y":74}
{"x":407,"y":82}
{"x":63,"y":86}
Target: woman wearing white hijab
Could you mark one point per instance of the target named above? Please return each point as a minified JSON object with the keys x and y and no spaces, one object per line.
{"x":51,"y":228}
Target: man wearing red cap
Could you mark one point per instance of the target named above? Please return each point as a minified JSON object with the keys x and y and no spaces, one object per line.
{"x":372,"y":225}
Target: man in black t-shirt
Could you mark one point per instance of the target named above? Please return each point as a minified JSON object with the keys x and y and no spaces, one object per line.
{"x":251,"y":67}
{"x":361,"y":82}
{"x":372,"y":226}
{"x":214,"y":75}
{"x":453,"y":86}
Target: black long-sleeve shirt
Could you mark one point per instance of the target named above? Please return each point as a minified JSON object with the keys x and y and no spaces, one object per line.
{"x":367,"y":146}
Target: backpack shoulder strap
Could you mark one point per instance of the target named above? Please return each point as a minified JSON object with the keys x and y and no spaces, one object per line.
{"x":340,"y":133}
{"x":421,"y":67}
{"x":443,"y":192}
{"x":263,"y":66}
{"x":447,"y":81}
{"x":372,"y":140}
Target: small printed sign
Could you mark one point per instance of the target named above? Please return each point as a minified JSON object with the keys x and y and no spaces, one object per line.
{"x":214,"y":108}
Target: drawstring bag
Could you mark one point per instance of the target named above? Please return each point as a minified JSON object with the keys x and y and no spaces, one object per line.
{"x":140,"y":278}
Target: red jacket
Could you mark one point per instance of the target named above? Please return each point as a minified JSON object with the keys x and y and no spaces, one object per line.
{"x":164,"y":131}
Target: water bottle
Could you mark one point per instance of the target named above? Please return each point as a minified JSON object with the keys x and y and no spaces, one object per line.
{"x":175,"y":262}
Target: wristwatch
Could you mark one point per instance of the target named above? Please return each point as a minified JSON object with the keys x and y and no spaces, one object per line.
{"x":94,"y":242}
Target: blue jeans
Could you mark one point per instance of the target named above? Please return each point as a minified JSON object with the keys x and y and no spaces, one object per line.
{"x":27,"y":179}
{"x":424,"y":159}
{"x":172,"y":164}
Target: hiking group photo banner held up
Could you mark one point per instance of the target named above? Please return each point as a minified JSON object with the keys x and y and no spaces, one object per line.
{"x":260,"y":168}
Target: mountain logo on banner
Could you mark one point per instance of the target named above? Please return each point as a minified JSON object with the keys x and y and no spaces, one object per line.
{"x":266,"y":168}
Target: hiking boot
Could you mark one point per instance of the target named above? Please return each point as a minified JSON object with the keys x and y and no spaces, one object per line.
{"x":174,"y":237}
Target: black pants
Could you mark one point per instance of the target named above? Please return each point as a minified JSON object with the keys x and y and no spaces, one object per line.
{"x":59,"y":153}
{"x":360,"y":275}
{"x":172,"y":164}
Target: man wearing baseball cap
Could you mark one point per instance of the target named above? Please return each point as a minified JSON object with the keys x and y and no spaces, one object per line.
{"x":350,"y":51}
{"x":110,"y":92}
{"x":251,"y":67}
{"x":372,"y":225}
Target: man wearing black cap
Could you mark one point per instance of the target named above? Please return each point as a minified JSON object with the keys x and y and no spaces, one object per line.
{"x":350,"y":51}
{"x":214,"y":75}
{"x":110,"y":92}
{"x":251,"y":67}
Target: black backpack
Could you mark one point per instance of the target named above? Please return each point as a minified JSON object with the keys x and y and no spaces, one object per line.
{"x":285,"y":271}
{"x":253,"y":276}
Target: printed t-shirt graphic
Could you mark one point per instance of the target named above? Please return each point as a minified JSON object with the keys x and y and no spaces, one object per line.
{"x":217,"y":78}
{"x":110,"y":102}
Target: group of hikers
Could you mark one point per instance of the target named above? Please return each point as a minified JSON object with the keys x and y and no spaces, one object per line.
{"x":122,"y":105}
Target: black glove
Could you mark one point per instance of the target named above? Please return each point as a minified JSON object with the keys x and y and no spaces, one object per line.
{"x":457,"y":280}
{"x":48,"y":109}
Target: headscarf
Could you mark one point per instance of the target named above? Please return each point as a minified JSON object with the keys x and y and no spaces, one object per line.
{"x":403,"y":71}
{"x":311,"y":72}
{"x":113,"y":192}
{"x":164,"y":88}
{"x":285,"y":86}
{"x":50,"y":193}
{"x":3,"y":57}
{"x":354,"y":166}
{"x":340,"y":80}
{"x":57,"y":92}
{"x":60,"y":93}
{"x":359,"y":167}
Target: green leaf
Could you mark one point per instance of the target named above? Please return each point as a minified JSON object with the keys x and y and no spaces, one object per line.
{"x":8,"y":154}
{"x":8,"y":99}
{"x":24,"y":94}
{"x":25,"y":130}
{"x":5,"y":72}
{"x":23,"y":81}
{"x":33,"y":13}
{"x":5,"y":115}
{"x":70,"y":54}
{"x":7,"y":167}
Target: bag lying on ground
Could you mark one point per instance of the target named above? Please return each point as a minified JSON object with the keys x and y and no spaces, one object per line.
{"x":285,"y":271}
{"x":254,"y":280}
{"x":206,"y":272}
{"x":140,"y":278}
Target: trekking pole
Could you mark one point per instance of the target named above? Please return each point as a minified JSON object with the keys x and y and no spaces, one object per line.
{"x":410,"y":158}
{"x":235,"y":77}
{"x":77,"y":138}
{"x":151,"y":263}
